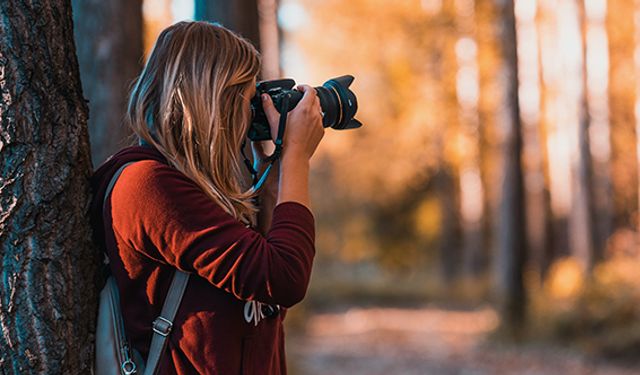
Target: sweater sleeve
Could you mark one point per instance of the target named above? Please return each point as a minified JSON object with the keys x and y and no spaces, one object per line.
{"x":167,"y":217}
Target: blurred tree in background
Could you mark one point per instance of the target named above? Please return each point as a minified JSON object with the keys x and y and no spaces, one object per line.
{"x":240,"y":16}
{"x":108,"y":37}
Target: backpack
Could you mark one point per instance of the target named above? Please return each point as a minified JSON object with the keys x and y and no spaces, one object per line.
{"x":114,"y":355}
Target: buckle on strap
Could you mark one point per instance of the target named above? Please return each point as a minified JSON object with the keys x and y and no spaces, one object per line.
{"x":162,"y":326}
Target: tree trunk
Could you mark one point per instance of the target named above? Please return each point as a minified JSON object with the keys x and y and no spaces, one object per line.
{"x":447,"y":179}
{"x":489,"y":154}
{"x":624,"y":160}
{"x":48,"y":296}
{"x":450,"y":244}
{"x":583,"y":231}
{"x":270,"y":36}
{"x":108,"y":37}
{"x":511,"y":228}
{"x":238,"y":15}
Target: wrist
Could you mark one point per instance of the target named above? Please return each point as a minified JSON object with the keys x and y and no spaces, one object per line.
{"x":293,"y":158}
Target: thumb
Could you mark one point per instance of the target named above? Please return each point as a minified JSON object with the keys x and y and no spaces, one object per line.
{"x":273,"y":116}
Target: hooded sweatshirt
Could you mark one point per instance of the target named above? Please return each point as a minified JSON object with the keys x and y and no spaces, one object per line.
{"x":157,"y":220}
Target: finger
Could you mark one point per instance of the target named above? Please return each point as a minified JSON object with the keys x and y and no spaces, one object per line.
{"x":273,"y":116}
{"x":309,"y":94}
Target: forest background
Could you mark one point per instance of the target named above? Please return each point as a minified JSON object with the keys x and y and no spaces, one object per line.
{"x":486,"y":216}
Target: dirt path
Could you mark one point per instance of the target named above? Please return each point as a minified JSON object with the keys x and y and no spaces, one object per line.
{"x":392,"y":341}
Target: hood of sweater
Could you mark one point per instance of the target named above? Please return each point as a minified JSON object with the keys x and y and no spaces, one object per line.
{"x":103,"y":174}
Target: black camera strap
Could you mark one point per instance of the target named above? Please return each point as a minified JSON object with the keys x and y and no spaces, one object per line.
{"x":271,"y":159}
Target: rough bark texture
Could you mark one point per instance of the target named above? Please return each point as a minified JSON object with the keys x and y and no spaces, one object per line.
{"x":511,"y":229}
{"x":47,"y":292}
{"x":239,"y":15}
{"x":108,"y":36}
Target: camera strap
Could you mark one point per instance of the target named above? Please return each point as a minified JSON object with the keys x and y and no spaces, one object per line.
{"x":271,"y":159}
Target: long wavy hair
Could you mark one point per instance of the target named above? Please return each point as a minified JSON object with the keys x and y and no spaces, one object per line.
{"x":190,"y":103}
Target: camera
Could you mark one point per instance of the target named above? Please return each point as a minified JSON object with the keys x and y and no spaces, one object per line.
{"x":339,"y":104}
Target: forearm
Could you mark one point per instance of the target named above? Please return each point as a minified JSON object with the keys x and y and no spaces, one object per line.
{"x":268,"y":198}
{"x":268,"y":195}
{"x":294,"y":180}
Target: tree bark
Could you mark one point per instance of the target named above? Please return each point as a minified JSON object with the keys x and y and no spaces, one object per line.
{"x":108,"y":37}
{"x":511,"y":228}
{"x":240,"y":16}
{"x":48,"y":296}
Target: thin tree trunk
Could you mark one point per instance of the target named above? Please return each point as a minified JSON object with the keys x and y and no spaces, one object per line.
{"x":549,"y":253}
{"x":511,"y":229}
{"x":447,"y":180}
{"x":529,"y":94}
{"x":270,"y":36}
{"x":48,"y":296}
{"x":489,"y":155}
{"x":238,"y":15}
{"x":110,"y":57}
{"x":582,"y":219}
{"x":637,"y":92}
{"x":622,"y":96}
{"x":450,"y":244}
{"x":467,"y":87}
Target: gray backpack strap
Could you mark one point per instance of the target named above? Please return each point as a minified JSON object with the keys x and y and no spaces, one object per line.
{"x":163,"y":324}
{"x":113,"y":182}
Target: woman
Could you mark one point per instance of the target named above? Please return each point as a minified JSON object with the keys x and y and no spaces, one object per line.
{"x":183,"y":205}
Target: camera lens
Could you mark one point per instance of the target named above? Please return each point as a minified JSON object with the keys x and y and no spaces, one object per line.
{"x":338,"y":103}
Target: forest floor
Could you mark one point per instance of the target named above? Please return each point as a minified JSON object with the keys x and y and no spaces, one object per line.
{"x":428,"y":340}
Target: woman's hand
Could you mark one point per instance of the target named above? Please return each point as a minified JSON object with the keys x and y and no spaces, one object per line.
{"x":304,"y":128}
{"x":302,"y":135}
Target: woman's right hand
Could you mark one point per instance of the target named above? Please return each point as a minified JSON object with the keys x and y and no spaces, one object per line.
{"x":302,"y":135}
{"x":304,"y":128}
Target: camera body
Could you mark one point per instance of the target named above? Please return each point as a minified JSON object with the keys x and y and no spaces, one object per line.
{"x":338,"y":103}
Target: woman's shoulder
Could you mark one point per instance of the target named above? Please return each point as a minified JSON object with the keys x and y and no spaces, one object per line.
{"x":148,"y":183}
{"x":146,"y":174}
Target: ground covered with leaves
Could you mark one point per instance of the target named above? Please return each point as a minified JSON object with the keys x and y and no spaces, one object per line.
{"x":425,"y":340}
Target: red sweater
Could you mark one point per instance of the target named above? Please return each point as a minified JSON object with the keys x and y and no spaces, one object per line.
{"x":157,"y":220}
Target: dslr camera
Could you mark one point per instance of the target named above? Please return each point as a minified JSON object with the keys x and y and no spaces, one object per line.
{"x":339,"y":104}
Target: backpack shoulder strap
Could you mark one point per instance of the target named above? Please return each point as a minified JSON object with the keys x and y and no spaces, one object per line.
{"x":112,"y":183}
{"x":161,"y":325}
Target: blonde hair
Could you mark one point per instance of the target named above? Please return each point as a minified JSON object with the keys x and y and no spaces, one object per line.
{"x":189,"y":104}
